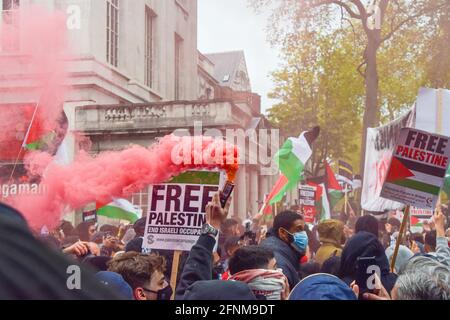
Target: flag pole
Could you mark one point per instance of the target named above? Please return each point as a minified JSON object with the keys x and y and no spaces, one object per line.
{"x":24,"y":140}
{"x":399,"y":238}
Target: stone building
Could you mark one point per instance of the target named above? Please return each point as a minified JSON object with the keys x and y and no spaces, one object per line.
{"x":135,"y":74}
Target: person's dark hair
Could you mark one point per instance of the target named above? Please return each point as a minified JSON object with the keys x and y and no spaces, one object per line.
{"x":430,"y":239}
{"x":109,"y":228}
{"x":250,"y":257}
{"x":98,"y":237}
{"x":418,"y":237}
{"x":139,"y":227}
{"x":67,"y":228}
{"x":51,"y":242}
{"x":285,"y":220}
{"x":367,"y":223}
{"x":134,"y":245}
{"x":136,"y":268}
{"x":231,"y":242}
{"x":394,"y":222}
{"x":331,"y":265}
{"x":98,"y":263}
{"x":83,"y":230}
{"x":308,"y":269}
{"x":226,"y":226}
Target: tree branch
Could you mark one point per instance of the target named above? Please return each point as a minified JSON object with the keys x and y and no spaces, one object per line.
{"x":363,"y":74}
{"x":410,"y":19}
{"x":347,"y":8}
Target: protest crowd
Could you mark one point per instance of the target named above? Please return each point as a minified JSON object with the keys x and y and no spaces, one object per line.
{"x":287,"y":259}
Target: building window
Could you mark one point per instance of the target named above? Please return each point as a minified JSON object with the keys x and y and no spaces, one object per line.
{"x":11,"y":42}
{"x":150,"y":18}
{"x":140,"y":199}
{"x":178,"y":65}
{"x":112,"y":31}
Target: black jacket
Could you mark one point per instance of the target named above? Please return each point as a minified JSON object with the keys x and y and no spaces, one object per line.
{"x":287,"y":258}
{"x":196,"y":278}
{"x":365,"y":244}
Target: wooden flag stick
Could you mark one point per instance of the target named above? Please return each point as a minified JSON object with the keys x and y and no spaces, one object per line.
{"x":345,"y":203}
{"x":399,"y":238}
{"x":174,"y":273}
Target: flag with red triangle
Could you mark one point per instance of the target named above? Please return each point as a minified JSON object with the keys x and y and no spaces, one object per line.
{"x":334,"y":189}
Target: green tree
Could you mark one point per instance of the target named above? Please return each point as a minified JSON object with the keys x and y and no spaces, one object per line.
{"x":381,"y":22}
{"x":318,"y":85}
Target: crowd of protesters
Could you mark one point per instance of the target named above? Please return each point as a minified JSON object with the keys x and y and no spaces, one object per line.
{"x":245,"y":260}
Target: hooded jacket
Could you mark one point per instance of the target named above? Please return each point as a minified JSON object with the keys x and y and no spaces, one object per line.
{"x":29,"y":270}
{"x":196,"y":278}
{"x":365,"y":244}
{"x":287,"y":258}
{"x":331,"y":233}
{"x":322,"y":286}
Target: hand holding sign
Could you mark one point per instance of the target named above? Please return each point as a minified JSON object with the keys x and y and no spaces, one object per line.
{"x":215,"y":214}
{"x":439,"y":222}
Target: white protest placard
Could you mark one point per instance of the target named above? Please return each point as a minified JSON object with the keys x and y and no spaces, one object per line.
{"x":307,"y":196}
{"x":176,"y":210}
{"x":380,"y":146}
{"x":417,"y":217}
{"x":433,"y":111}
{"x":417,"y":168}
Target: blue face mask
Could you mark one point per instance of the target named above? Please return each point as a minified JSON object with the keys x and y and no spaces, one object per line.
{"x":299,"y":241}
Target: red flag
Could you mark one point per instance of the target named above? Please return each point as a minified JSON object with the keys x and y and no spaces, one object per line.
{"x":281,"y":182}
{"x":332,"y":182}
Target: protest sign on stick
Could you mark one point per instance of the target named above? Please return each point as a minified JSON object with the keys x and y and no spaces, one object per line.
{"x":176,"y":211}
{"x":174,"y":272}
{"x":307,"y":196}
{"x":417,"y":168}
{"x":399,"y":238}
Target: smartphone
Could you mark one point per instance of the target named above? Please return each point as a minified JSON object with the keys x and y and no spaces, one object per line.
{"x":363,"y":273}
{"x":226,"y":193}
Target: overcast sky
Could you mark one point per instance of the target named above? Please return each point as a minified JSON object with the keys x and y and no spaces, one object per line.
{"x":228,"y":25}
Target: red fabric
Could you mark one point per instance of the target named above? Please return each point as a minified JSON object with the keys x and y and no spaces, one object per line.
{"x":332,"y":182}
{"x":281,"y":182}
{"x":304,"y":260}
{"x":226,"y":275}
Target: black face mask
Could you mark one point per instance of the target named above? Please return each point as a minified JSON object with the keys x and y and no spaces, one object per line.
{"x":163,"y":294}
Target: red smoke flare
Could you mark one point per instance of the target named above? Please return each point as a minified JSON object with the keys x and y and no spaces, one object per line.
{"x":119,"y":174}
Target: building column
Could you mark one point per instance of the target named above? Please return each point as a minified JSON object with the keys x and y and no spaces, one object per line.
{"x":241,"y":192}
{"x":254,"y":192}
{"x":263,"y":187}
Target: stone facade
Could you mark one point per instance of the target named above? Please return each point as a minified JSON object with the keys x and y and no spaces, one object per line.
{"x":151,"y":81}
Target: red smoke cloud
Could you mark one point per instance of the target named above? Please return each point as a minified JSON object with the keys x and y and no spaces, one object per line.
{"x":119,"y":174}
{"x":34,"y":43}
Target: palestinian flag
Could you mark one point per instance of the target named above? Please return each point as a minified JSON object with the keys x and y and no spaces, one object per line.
{"x":36,"y":138}
{"x":325,"y":212}
{"x":292,"y":157}
{"x":278,"y":190}
{"x":119,"y":209}
{"x":446,"y":187}
{"x":267,"y":212}
{"x":322,"y":203}
{"x":334,"y":189}
{"x":411,"y":174}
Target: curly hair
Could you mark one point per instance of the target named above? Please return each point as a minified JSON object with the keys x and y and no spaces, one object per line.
{"x":137,"y":268}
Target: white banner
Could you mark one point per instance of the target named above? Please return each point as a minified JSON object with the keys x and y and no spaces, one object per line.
{"x":433,"y":111}
{"x":381,"y":142}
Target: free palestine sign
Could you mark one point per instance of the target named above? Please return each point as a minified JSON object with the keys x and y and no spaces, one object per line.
{"x":417,"y":168}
